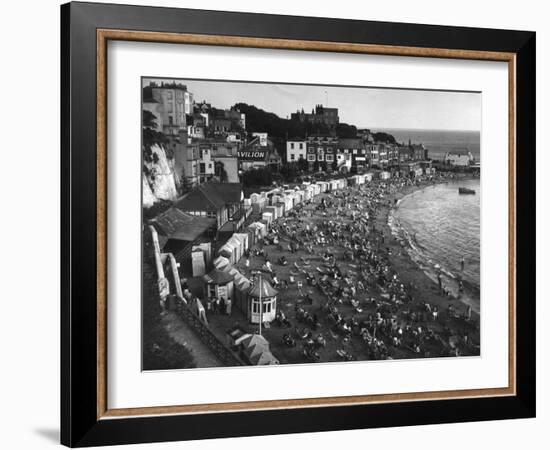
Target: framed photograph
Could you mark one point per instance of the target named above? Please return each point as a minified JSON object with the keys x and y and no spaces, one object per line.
{"x":278,"y":224}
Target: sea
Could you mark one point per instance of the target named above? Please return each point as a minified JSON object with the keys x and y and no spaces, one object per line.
{"x":440,"y":227}
{"x":438,"y":142}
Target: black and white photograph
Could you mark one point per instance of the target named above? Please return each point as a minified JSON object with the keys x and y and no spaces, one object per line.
{"x":299,"y":224}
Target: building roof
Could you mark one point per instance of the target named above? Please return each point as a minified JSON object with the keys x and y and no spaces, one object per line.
{"x":266,"y":289}
{"x":255,"y":340}
{"x":218,"y":277}
{"x":176,"y":224}
{"x":350,"y":143}
{"x":210,"y":196}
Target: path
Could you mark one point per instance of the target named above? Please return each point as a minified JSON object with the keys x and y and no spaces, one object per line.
{"x":184,"y":335}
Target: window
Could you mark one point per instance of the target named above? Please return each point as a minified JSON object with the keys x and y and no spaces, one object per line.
{"x":355,"y":151}
{"x":292,"y":145}
{"x":267,"y":307}
{"x":292,"y":157}
{"x":311,"y":149}
{"x":301,"y":146}
{"x":330,"y":158}
{"x":311,"y":157}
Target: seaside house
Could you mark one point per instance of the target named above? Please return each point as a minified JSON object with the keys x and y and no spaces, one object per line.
{"x":219,"y":201}
{"x":460,"y":157}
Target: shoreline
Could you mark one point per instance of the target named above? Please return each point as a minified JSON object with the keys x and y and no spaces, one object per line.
{"x":403,"y":263}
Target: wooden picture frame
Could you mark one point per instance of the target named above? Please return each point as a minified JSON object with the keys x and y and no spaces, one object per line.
{"x":86,"y":418}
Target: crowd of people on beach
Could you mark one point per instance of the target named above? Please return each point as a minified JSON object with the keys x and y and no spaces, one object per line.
{"x":347,"y":290}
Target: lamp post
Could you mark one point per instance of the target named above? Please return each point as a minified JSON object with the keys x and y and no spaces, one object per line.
{"x":259,"y":274}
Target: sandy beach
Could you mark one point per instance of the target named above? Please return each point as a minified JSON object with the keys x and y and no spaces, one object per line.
{"x":349,"y":290}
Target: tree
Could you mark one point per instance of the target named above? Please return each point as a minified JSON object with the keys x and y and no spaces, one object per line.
{"x":303,"y":165}
{"x":384,"y":138}
{"x":220,"y":172}
{"x":149,"y":119}
{"x":343,"y":130}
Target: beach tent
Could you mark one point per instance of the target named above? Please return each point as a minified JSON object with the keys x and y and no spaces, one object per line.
{"x":247,"y":202}
{"x":280,"y":209}
{"x":198,"y":263}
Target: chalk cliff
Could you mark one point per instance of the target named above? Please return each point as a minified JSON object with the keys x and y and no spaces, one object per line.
{"x":159,"y":181}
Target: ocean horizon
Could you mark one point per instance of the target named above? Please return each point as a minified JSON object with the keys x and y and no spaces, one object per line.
{"x":438,"y":142}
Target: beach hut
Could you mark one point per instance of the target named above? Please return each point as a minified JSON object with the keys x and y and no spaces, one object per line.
{"x":289,"y":204}
{"x":261,"y":289}
{"x":280,"y":209}
{"x":206,"y":248}
{"x":238,"y":247}
{"x":384,"y":175}
{"x":227,"y":250}
{"x":241,"y":287}
{"x":262,"y":229}
{"x":244,"y":238}
{"x":221,"y":263}
{"x":258,"y":202}
{"x":198,"y":263}
{"x":273,"y":211}
{"x":218,"y":285}
{"x":267,"y":217}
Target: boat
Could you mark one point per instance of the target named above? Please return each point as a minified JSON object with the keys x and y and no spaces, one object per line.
{"x":463,"y":190}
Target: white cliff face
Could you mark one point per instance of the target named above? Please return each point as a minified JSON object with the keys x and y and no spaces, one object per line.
{"x":148,"y":197}
{"x":160,"y":181}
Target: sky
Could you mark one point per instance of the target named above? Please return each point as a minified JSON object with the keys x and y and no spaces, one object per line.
{"x":363,"y":107}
